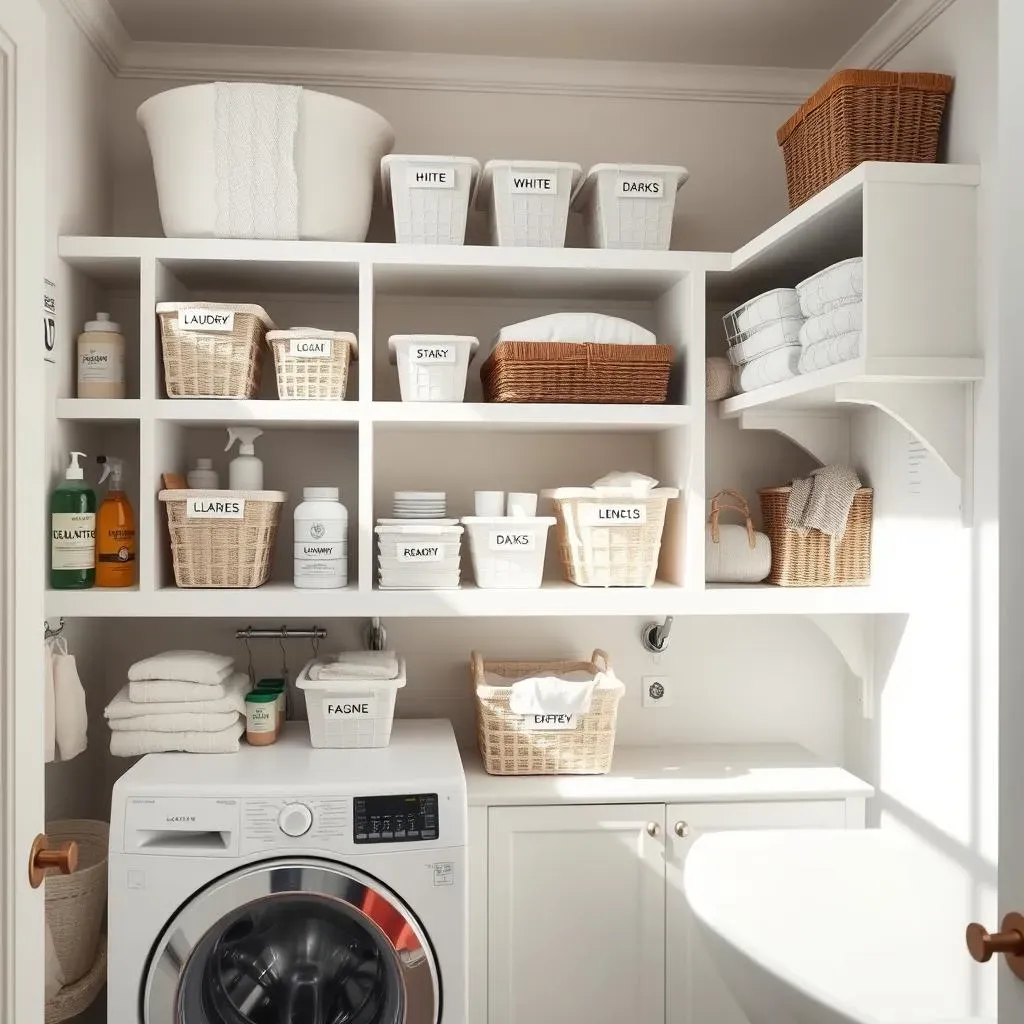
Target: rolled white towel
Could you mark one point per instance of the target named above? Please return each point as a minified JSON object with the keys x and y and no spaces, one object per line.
{"x":122,"y":707}
{"x":841,"y":320}
{"x":775,"y":367}
{"x":187,"y":666}
{"x":830,"y":352}
{"x":135,"y":744}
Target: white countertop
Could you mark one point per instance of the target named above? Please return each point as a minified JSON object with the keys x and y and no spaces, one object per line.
{"x":676,"y":774}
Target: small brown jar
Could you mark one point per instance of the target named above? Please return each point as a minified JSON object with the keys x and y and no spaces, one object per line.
{"x":261,"y":717}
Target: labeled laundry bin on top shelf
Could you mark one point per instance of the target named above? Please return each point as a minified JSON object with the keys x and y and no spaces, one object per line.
{"x":429,"y":196}
{"x":527,"y":201}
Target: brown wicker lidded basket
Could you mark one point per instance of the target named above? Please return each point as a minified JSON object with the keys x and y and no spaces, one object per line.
{"x":815,"y":560}
{"x":862,"y":115}
{"x":208,"y":363}
{"x":579,"y":372}
{"x":508,"y":743}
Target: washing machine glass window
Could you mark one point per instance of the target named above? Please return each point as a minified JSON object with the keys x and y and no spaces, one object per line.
{"x":293,"y":942}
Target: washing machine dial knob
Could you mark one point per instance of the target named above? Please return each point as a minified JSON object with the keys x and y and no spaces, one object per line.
{"x":295,"y":820}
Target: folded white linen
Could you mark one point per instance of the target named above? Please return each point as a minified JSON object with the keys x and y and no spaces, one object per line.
{"x":185,"y":721}
{"x":134,"y":744}
{"x":777,"y":366}
{"x":830,"y":352}
{"x":71,"y":721}
{"x":356,"y":665}
{"x":598,"y":328}
{"x":831,"y":287}
{"x":840,"y":320}
{"x":172,"y":691}
{"x":122,"y":707}
{"x":550,"y":695}
{"x":187,"y":666}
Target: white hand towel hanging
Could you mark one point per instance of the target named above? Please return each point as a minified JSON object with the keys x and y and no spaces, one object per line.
{"x":49,"y":710}
{"x":70,"y":716}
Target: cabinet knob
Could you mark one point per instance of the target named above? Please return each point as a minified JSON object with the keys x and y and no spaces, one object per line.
{"x":653,"y":828}
{"x":64,"y":858}
{"x":682,"y":829}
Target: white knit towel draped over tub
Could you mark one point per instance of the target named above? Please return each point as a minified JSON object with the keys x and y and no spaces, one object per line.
{"x":255,"y":128}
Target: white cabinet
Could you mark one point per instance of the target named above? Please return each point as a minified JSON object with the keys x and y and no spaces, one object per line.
{"x":576,"y":914}
{"x":586,"y":917}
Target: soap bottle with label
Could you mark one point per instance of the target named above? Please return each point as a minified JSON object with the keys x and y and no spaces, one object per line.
{"x":321,"y":540}
{"x":101,"y":359}
{"x":115,"y":530}
{"x":73,"y":531}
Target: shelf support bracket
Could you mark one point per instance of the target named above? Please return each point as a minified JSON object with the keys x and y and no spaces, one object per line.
{"x":824,"y":435}
{"x":853,"y":636}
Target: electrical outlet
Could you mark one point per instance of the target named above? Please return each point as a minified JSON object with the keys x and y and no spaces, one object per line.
{"x":657,"y":692}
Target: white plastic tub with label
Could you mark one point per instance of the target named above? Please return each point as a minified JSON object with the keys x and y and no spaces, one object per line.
{"x":527,"y":200}
{"x":429,"y":196}
{"x":508,"y":553}
{"x":629,"y":206}
{"x":350,"y":712}
{"x":432,"y":367}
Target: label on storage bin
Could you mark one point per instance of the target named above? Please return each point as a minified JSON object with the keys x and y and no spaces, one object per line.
{"x":640,"y":186}
{"x":311,"y":348}
{"x":534,"y":183}
{"x":432,"y":354}
{"x":420,"y":553}
{"x":549,"y":723}
{"x":206,"y":319}
{"x":215,"y":508}
{"x":512,"y":540}
{"x":350,"y":707}
{"x":431,"y":177}
{"x":613,"y":515}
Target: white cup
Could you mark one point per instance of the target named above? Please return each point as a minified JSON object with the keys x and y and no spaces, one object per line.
{"x":489,"y":503}
{"x":522,"y":505}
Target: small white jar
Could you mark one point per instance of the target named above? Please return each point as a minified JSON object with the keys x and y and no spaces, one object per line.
{"x":321,"y":540}
{"x":101,"y":359}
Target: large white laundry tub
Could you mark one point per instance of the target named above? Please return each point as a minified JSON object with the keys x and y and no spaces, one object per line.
{"x":336,"y":157}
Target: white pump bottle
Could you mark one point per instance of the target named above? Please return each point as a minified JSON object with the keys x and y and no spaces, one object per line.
{"x":245,"y":471}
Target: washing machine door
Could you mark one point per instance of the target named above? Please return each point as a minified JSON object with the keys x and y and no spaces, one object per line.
{"x":293,"y":942}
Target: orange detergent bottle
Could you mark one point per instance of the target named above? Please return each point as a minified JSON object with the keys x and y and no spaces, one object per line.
{"x":115,"y":530}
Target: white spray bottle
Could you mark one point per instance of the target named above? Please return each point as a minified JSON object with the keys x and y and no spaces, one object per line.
{"x":245,"y":471}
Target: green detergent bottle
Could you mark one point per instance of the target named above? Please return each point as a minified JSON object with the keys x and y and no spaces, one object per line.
{"x":73,"y":531}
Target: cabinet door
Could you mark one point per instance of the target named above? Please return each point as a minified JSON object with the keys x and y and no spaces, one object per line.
{"x":576,"y":914}
{"x":695,"y":994}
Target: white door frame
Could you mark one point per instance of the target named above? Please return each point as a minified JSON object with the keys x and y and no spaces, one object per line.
{"x":23,"y":463}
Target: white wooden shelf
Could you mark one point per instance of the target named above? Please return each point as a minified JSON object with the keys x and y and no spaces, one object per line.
{"x":217,"y":412}
{"x":569,"y":418}
{"x":99,"y":410}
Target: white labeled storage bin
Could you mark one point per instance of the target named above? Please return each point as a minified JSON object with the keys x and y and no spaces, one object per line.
{"x":420,"y":555}
{"x":429,"y":196}
{"x":432,"y":367}
{"x":629,"y":206}
{"x":527,"y":201}
{"x":350,"y":712}
{"x":508,"y":553}
{"x":312,"y":363}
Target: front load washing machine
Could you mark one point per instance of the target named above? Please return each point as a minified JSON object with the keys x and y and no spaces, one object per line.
{"x":287,"y":885}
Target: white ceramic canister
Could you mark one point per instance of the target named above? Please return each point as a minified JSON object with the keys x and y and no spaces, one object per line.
{"x":321,"y":540}
{"x":101,"y":359}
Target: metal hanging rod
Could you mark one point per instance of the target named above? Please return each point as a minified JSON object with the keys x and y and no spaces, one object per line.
{"x":284,"y":633}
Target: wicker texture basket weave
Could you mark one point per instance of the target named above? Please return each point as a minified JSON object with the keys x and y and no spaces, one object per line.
{"x":223,"y":552}
{"x":862,"y":115}
{"x":76,"y":903}
{"x":815,"y":560}
{"x":579,"y":372}
{"x":214,"y":364}
{"x":77,"y":997}
{"x":300,"y":377}
{"x":508,"y":747}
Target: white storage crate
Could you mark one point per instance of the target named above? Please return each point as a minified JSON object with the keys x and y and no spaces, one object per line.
{"x":350,"y":712}
{"x":429,"y":196}
{"x":527,"y":201}
{"x":508,"y":553}
{"x":432,"y":367}
{"x":629,"y":206}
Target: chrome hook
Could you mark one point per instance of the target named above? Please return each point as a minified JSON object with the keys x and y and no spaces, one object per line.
{"x":654,"y":636}
{"x":246,"y":636}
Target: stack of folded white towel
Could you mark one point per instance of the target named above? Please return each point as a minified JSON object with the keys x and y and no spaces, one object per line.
{"x":179,"y":700}
{"x":355,"y":665}
{"x":833,"y":304}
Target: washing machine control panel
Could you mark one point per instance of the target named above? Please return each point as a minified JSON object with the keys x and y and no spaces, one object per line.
{"x":308,"y":822}
{"x":395,"y":819}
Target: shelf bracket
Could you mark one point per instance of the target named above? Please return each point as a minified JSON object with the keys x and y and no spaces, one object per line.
{"x":853,"y":636}
{"x":824,"y":435}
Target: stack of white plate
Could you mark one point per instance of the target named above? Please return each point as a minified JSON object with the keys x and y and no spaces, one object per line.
{"x":420,"y":505}
{"x":421,"y":555}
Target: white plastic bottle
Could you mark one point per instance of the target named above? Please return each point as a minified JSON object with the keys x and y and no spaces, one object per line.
{"x":321,"y":540}
{"x":101,"y":359}
{"x":204,"y":477}
{"x":245,"y":471}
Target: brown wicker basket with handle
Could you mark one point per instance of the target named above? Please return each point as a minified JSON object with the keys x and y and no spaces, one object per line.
{"x":579,"y":372}
{"x":213,"y":364}
{"x":509,"y":745}
{"x":862,"y":115}
{"x":815,"y":559}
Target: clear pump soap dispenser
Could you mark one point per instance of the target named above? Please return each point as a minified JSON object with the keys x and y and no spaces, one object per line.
{"x":245,"y":471}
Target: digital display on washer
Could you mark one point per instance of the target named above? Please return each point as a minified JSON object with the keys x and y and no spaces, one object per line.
{"x":395,"y":819}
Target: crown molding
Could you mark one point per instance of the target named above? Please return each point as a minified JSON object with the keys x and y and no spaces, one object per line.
{"x":98,"y":22}
{"x":895,"y":30}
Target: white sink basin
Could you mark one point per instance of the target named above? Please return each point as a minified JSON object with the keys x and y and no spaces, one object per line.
{"x":836,"y":927}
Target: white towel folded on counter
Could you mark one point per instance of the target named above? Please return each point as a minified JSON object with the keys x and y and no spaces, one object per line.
{"x":123,"y":709}
{"x":185,"y":721}
{"x":172,"y":691}
{"x":773,"y":368}
{"x":830,"y":352}
{"x":187,"y":666}
{"x":356,"y":665}
{"x":840,"y":320}
{"x":135,"y":744}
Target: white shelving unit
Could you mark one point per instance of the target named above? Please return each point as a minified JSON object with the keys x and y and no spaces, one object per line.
{"x":914,"y":225}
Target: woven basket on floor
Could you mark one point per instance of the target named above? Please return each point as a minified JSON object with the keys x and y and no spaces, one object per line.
{"x":300,"y":377}
{"x":76,"y":998}
{"x":76,"y":903}
{"x":213,"y":364}
{"x":223,"y":552}
{"x":862,"y":115}
{"x":509,"y":746}
{"x":815,"y":560}
{"x":545,"y":371}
